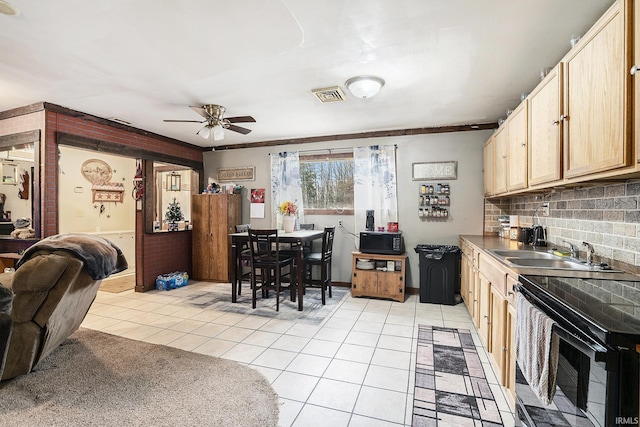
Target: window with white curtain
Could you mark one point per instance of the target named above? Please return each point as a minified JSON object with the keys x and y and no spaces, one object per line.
{"x":286,"y":185}
{"x":369,"y":178}
{"x":375,"y":185}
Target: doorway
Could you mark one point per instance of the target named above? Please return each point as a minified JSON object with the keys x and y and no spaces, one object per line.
{"x":95,"y":190}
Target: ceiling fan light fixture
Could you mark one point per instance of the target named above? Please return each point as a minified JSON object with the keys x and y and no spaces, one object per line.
{"x":205,"y":132}
{"x":218,"y":133}
{"x":364,"y":86}
{"x":7,"y":8}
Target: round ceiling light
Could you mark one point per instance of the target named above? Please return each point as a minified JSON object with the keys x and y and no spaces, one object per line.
{"x":8,"y":9}
{"x":364,"y":86}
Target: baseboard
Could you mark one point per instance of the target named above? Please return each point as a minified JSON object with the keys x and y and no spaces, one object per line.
{"x":407,"y":291}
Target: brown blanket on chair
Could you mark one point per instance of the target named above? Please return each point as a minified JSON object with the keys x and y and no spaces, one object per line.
{"x":102,"y":258}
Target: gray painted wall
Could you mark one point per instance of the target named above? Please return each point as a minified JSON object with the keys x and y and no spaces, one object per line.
{"x":467,"y":203}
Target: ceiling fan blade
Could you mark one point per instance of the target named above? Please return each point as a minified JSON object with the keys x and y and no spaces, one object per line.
{"x":184,"y":121}
{"x":240,"y":119}
{"x":239,"y":129}
{"x":200,"y":111}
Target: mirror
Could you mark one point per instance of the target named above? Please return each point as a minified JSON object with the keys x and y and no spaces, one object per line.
{"x":17,"y":168}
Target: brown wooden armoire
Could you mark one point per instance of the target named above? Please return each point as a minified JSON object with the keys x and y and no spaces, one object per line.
{"x":214,"y":216}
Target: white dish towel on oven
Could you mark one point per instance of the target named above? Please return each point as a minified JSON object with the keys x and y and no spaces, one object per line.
{"x":536,"y":348}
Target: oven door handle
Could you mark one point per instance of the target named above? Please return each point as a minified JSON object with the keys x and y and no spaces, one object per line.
{"x":592,"y":349}
{"x":585,"y":344}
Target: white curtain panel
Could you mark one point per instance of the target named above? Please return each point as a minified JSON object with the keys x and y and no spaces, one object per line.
{"x":374,"y":183}
{"x":286,"y":185}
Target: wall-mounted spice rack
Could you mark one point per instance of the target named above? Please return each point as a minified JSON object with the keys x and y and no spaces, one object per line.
{"x":434,"y":201}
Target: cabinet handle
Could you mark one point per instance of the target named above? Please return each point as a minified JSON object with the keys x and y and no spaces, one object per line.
{"x":523,"y":144}
{"x":564,"y":117}
{"x":634,"y":70}
{"x":509,"y":293}
{"x":555,"y":122}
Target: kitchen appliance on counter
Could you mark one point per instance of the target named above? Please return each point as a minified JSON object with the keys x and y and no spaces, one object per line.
{"x":599,"y":360}
{"x":372,"y":242}
{"x":538,"y":236}
{"x":525,"y":235}
{"x":369,"y":223}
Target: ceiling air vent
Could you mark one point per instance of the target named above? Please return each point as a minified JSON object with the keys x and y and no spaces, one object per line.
{"x":329,"y":94}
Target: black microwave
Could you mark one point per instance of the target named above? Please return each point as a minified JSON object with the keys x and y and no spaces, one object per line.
{"x":372,"y":242}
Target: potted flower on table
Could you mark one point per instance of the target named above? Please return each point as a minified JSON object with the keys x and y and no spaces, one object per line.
{"x":288,"y":209}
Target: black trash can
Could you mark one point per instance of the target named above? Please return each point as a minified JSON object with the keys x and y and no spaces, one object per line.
{"x":439,"y":273}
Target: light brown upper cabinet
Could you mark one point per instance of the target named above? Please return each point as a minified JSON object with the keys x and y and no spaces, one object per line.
{"x":517,"y":148}
{"x":545,"y":143}
{"x":506,"y":154}
{"x":635,"y":72}
{"x":488,"y":166}
{"x":501,"y":140}
{"x":596,"y":97}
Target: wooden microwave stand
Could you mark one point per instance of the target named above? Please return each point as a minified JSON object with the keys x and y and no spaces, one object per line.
{"x":378,"y":283}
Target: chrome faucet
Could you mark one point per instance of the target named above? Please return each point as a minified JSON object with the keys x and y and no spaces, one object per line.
{"x":590,"y":252}
{"x":573,"y":248}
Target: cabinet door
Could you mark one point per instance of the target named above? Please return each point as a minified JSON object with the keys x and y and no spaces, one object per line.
{"x":200,"y":237}
{"x":474,"y":296}
{"x":389,"y":284}
{"x":517,"y":148}
{"x":484,"y":314}
{"x":488,"y":157}
{"x":365,"y":282}
{"x":596,"y":98}
{"x":498,"y":308}
{"x":500,"y":160}
{"x":510,"y":355}
{"x":464,"y":278}
{"x":636,"y":77}
{"x":544,"y":145}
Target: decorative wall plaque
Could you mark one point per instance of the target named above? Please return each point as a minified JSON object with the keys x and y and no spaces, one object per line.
{"x":237,"y":174}
{"x":435,"y":170}
{"x":96,"y":171}
{"x":108,"y":192}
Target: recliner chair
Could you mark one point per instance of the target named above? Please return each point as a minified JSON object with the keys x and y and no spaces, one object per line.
{"x":53,"y":287}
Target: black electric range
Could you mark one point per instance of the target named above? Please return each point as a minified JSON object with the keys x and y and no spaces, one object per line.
{"x":598,"y":323}
{"x":606,"y":309}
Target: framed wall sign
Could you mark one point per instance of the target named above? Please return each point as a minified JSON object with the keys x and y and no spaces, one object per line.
{"x":237,"y":174}
{"x":435,"y":170}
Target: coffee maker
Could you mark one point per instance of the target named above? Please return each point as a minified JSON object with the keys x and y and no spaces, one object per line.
{"x":539,"y":236}
{"x":369,"y":224}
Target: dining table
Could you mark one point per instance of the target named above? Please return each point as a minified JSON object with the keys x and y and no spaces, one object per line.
{"x":297,"y":239}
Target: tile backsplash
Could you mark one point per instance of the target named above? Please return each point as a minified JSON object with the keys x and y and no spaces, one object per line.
{"x":607,"y":216}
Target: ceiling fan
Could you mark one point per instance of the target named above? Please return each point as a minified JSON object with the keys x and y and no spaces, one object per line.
{"x":215,"y":121}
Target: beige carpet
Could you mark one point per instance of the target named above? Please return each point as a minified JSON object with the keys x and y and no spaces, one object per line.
{"x":99,"y":379}
{"x":119,"y":283}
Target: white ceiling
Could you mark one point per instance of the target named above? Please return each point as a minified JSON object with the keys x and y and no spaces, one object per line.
{"x":445,"y":62}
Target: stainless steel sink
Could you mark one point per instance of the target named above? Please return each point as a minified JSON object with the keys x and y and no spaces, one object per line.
{"x":556,"y":264}
{"x":544,"y":260}
{"x":524,"y":253}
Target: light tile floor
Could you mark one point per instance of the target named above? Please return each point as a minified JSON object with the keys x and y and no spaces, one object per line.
{"x":355,"y":369}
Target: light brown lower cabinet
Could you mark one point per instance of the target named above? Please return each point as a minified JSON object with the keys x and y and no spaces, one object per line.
{"x":372,"y":282}
{"x":491,"y":304}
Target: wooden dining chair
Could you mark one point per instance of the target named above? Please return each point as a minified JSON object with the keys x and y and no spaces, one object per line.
{"x":243,"y":268}
{"x":323,"y":260}
{"x":268,"y":266}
